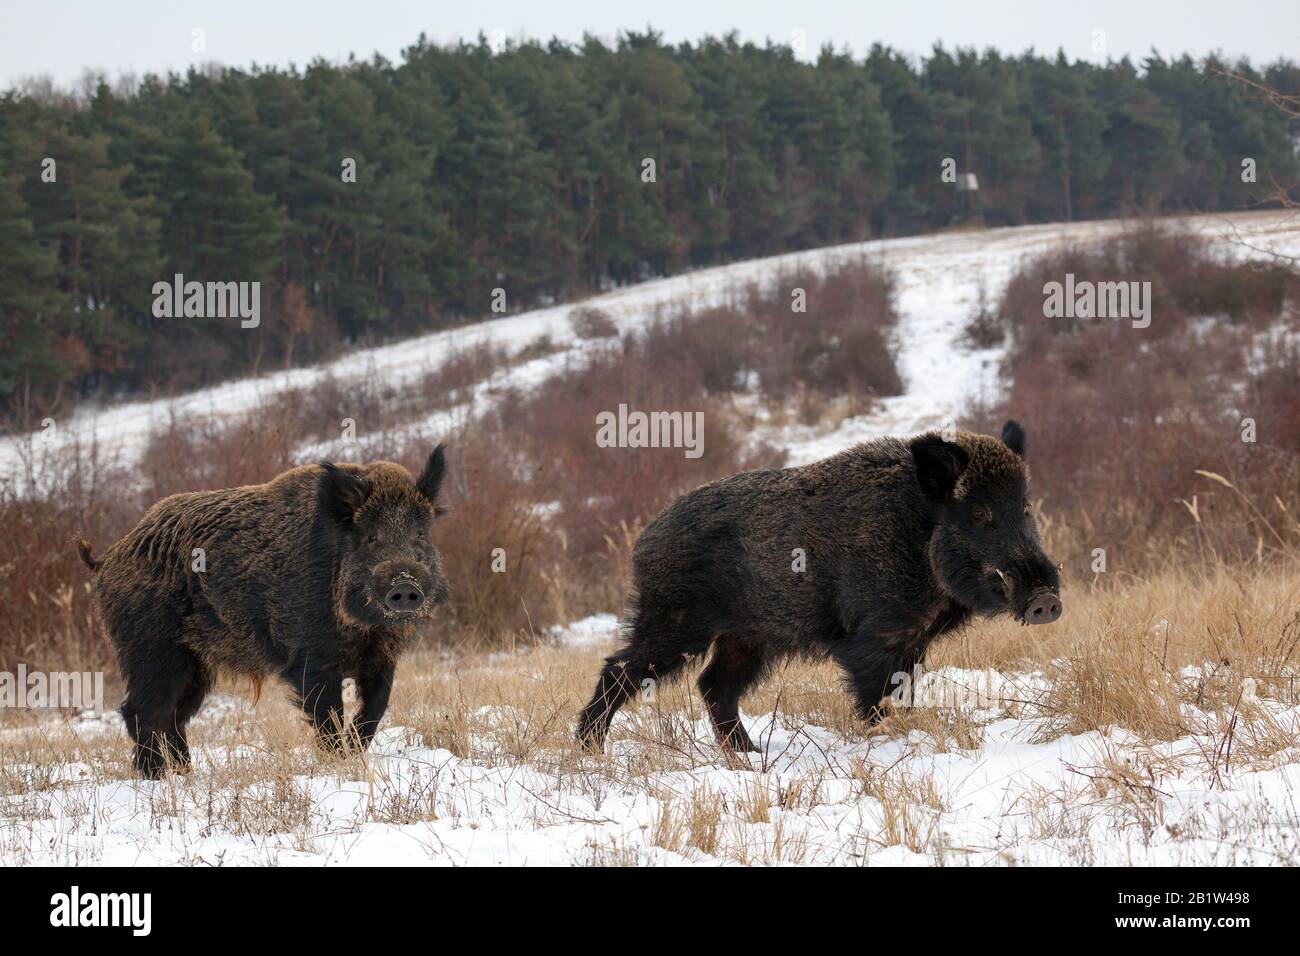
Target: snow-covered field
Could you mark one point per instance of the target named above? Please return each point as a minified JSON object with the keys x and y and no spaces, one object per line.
{"x":491,"y":781}
{"x":985,"y":792}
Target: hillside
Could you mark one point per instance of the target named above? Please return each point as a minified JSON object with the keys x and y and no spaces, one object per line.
{"x":940,"y":279}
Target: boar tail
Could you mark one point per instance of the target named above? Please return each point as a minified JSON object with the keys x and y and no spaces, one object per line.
{"x":83,"y":549}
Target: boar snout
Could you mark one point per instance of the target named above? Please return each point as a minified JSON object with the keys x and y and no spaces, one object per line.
{"x":1032,"y":594}
{"x":1044,"y":607}
{"x":405,"y":597}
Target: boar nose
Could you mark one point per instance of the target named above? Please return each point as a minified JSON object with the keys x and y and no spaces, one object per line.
{"x":404,"y":597}
{"x":1044,"y":608}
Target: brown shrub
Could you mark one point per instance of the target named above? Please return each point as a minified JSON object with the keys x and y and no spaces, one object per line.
{"x":1124,"y":422}
{"x":594,"y":490}
{"x":448,"y":384}
{"x":495,"y":545}
{"x":589,"y":322}
{"x":839,"y":346}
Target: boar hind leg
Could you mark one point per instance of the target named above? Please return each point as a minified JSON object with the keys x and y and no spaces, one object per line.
{"x":732,"y":669}
{"x":624,"y":674}
{"x":660,"y":644}
{"x":165,"y":686}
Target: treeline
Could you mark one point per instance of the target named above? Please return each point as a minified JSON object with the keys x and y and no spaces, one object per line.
{"x":526,"y":170}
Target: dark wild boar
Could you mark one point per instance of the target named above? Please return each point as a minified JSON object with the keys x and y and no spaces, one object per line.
{"x":901,"y":542}
{"x":322,"y":574}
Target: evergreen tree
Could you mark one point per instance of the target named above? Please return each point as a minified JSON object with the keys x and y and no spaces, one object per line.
{"x":525,"y":168}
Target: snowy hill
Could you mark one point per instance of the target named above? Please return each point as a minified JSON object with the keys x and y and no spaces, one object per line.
{"x":939,"y":281}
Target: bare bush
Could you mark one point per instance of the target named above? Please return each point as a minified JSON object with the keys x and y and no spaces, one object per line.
{"x":589,"y":322}
{"x":1138,"y":433}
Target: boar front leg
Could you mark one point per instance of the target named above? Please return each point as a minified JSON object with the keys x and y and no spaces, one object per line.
{"x":376,"y":686}
{"x":318,"y":687}
{"x":871,"y":669}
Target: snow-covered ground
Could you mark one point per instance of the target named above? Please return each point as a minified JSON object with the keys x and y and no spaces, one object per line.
{"x":939,"y":281}
{"x":814,"y":796}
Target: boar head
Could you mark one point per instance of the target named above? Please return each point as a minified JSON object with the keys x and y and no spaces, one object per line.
{"x":985,"y":548}
{"x":387,"y":570}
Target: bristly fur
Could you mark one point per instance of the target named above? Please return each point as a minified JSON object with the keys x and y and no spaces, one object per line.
{"x":285,"y":579}
{"x":896,"y":552}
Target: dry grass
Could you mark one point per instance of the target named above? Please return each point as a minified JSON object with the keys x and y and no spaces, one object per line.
{"x":1184,"y":677}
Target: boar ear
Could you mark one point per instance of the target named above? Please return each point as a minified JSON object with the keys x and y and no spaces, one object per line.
{"x":939,"y":464}
{"x":1013,"y":436}
{"x":341,"y":492}
{"x":430,"y":479}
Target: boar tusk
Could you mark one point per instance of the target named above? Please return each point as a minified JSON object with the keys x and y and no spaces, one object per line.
{"x":1005,"y":583}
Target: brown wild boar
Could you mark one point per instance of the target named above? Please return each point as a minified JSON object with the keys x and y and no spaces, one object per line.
{"x":324,"y":573}
{"x":866,"y":557}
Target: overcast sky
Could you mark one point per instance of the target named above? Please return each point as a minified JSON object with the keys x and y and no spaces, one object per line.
{"x":62,"y":39}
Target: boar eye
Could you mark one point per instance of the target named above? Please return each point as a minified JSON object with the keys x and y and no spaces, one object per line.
{"x":982,"y":515}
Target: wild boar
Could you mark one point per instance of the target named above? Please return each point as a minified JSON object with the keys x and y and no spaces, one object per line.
{"x":322,"y":574}
{"x":866,"y":557}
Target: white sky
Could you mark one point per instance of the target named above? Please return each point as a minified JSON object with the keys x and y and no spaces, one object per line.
{"x":62,"y":39}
